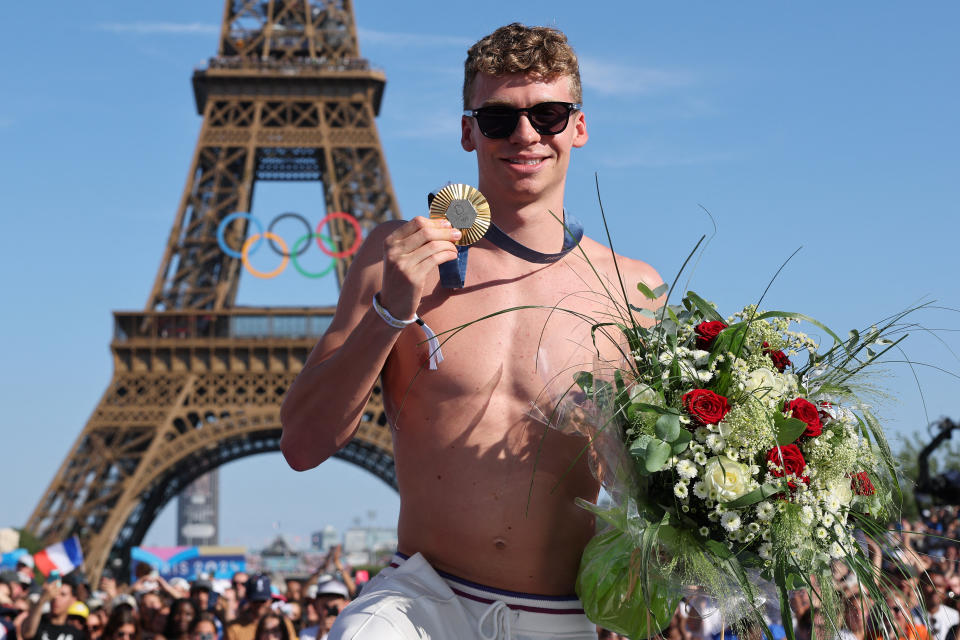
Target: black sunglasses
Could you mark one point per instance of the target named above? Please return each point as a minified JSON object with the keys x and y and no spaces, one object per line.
{"x":546,"y":118}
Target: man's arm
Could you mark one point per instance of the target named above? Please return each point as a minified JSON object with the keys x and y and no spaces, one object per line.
{"x":32,"y":623}
{"x":323,"y":406}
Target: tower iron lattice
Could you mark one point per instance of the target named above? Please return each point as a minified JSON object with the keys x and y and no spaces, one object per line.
{"x":198,"y":381}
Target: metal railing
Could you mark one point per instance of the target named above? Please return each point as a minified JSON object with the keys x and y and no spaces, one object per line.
{"x":252,"y":323}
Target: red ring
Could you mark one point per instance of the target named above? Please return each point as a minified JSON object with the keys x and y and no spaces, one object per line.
{"x":358,"y":236}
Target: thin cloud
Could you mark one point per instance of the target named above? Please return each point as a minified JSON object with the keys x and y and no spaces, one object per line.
{"x":617,"y":79}
{"x":400,"y":39}
{"x":161,"y":28}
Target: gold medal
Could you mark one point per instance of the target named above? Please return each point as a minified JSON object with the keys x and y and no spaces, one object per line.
{"x":465,"y":208}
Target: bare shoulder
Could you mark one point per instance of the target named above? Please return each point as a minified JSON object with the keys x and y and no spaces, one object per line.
{"x":614,"y":267}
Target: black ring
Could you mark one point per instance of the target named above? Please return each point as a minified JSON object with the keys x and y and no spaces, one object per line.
{"x":280,"y":217}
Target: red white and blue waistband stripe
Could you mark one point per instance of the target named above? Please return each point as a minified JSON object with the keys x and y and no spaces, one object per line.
{"x":516,"y":600}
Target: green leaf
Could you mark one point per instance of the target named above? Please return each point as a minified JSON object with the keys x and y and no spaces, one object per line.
{"x":584,"y":380}
{"x":662,"y":289}
{"x":646,"y":291}
{"x":668,"y":427}
{"x":646,"y":313}
{"x":760,"y":493}
{"x":788,"y":429}
{"x":719,"y":549}
{"x":657,"y":453}
{"x":680,"y":444}
{"x":705,"y":307}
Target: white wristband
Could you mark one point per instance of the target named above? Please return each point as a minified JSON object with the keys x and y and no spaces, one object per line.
{"x":387,"y":317}
{"x":436,"y":356}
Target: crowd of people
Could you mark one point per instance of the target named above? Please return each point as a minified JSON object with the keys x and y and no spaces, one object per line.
{"x":920,"y":559}
{"x":245,"y":607}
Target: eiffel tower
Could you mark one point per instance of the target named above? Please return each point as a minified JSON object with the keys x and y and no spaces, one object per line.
{"x":198,"y":381}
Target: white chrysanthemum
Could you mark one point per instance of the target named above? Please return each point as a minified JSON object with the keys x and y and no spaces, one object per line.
{"x":700,"y":490}
{"x":705,"y":532}
{"x":686,"y":469}
{"x":839,"y":531}
{"x":753,"y":527}
{"x":700,"y":458}
{"x":716,"y":442}
{"x":821,"y":533}
{"x":731,"y":453}
{"x":827,"y":520}
{"x":730,"y":521}
{"x":806,"y":515}
{"x":766,"y":511}
{"x":833,"y":504}
{"x":680,"y":490}
{"x":836,"y":551}
{"x":701,"y":434}
{"x":644,"y":393}
{"x":766,"y":551}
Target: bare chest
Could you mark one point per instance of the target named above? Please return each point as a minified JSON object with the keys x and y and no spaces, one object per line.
{"x":512,"y":335}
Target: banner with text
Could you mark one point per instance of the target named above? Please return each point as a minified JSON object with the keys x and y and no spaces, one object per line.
{"x":189,"y":562}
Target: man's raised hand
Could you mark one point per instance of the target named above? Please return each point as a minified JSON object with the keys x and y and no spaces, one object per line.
{"x":409,"y":254}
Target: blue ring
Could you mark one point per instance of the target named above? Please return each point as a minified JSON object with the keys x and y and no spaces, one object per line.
{"x":221,"y":229}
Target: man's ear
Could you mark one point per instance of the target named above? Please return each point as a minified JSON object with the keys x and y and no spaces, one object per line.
{"x":466,"y":134}
{"x":580,"y":135}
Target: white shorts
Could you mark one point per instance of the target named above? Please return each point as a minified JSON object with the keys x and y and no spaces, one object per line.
{"x":411,"y":600}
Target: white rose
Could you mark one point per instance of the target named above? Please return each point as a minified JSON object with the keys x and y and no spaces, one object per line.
{"x":726,"y":479}
{"x":763,"y":382}
{"x":646,"y":394}
{"x":840,"y":491}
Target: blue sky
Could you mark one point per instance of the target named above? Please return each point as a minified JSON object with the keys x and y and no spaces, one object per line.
{"x":831,"y":127}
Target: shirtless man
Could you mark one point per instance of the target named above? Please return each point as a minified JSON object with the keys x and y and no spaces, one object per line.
{"x":475,"y":555}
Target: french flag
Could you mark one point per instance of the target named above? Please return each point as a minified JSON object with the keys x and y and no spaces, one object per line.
{"x":63,"y":557}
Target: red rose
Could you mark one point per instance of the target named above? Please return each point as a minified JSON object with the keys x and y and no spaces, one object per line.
{"x":779,"y":358}
{"x":788,"y":460}
{"x":707,"y":332}
{"x":705,"y":407}
{"x":861,"y":485}
{"x":804,"y":410}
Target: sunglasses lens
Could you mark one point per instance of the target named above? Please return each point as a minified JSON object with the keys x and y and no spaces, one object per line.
{"x":549,"y":117}
{"x":497,"y":122}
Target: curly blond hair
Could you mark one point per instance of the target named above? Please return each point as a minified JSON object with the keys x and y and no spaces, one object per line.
{"x":541,"y":52}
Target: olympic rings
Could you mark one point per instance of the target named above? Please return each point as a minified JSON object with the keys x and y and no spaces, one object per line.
{"x":305,"y":240}
{"x":222,"y":227}
{"x":277,"y":244}
{"x":246,"y":251}
{"x":306,"y":225}
{"x":357,"y":235}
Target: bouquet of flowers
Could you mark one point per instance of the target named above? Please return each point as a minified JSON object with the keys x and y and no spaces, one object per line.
{"x":739,"y":458}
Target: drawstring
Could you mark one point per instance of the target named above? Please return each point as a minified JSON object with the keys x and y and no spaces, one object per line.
{"x":501,"y":620}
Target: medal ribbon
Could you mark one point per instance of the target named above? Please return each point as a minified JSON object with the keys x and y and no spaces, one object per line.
{"x":454,"y":273}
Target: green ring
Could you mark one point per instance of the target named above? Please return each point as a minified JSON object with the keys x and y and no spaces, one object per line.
{"x":307,"y":238}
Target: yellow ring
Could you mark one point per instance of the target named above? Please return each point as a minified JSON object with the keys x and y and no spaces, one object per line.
{"x":244,"y":253}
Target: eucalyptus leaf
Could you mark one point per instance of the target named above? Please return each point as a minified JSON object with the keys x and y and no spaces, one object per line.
{"x":646,"y":313}
{"x":787,"y":429}
{"x":646,"y":291}
{"x":668,"y":427}
{"x":662,"y":289}
{"x":657,"y":453}
{"x":682,"y":442}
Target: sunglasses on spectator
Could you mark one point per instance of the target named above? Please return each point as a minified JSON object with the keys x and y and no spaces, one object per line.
{"x":546,"y":118}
